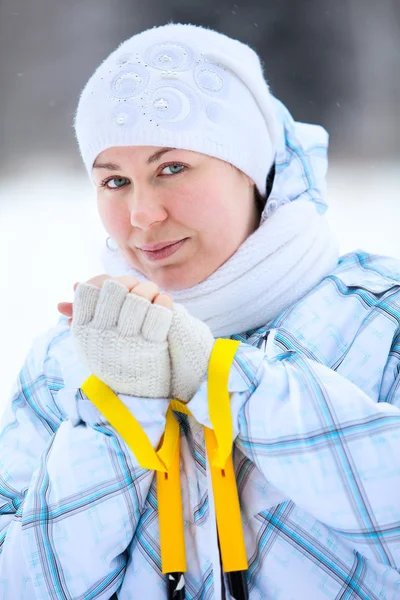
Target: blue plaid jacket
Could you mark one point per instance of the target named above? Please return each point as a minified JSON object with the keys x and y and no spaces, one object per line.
{"x":316,"y":409}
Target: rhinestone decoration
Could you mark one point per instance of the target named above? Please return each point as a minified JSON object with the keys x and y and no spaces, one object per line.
{"x":176,"y":56}
{"x":169,"y":74}
{"x":124,"y":116}
{"x":160,"y":104}
{"x":174,"y":107}
{"x":165,"y":58}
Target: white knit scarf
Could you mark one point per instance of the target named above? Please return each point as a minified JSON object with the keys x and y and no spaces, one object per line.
{"x":288,"y":255}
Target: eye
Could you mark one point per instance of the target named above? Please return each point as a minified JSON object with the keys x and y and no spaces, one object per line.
{"x":173,"y":169}
{"x":114,"y":183}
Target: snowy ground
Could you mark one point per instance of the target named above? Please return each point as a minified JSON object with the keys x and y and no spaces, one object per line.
{"x":50,"y":236}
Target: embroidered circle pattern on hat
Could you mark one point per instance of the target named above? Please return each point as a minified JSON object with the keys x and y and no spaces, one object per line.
{"x":212,"y":79}
{"x":171,"y":106}
{"x":129,"y":84}
{"x":174,"y":107}
{"x":169,"y":57}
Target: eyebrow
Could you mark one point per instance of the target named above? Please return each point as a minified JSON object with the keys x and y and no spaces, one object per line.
{"x":151,"y":159}
{"x":158,"y":155}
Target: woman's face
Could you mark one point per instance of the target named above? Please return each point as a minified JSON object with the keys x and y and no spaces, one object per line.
{"x":176,"y":215}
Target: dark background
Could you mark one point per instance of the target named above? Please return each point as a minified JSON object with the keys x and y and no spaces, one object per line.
{"x":333,"y":62}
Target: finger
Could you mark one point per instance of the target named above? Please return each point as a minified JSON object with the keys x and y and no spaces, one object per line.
{"x":111,"y":299}
{"x":164,"y":300}
{"x":98,"y":280}
{"x":65,"y":308}
{"x":86,"y":297}
{"x":69,"y":322}
{"x":128,"y":281}
{"x":147,"y":289}
{"x":157,"y":324}
{"x":76,"y":285}
{"x":132,"y":314}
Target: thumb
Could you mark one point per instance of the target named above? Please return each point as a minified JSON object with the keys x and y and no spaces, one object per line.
{"x":65,"y":308}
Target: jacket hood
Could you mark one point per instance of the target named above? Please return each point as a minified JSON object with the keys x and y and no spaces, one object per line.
{"x":301,"y":163}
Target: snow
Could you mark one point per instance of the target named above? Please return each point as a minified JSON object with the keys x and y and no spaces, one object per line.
{"x":50,"y":237}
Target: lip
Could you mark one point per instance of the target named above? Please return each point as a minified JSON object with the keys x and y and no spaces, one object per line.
{"x":162,"y":250}
{"x":158,"y":246}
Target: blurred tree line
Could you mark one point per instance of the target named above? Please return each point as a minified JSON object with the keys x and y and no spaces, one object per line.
{"x":333,"y":62}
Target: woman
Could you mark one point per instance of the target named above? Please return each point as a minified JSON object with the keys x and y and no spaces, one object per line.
{"x":213,"y":198}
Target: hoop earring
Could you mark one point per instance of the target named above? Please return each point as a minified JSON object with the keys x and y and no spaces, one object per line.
{"x":111,"y":245}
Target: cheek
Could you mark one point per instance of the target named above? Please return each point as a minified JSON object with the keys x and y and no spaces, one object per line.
{"x":211,"y":216}
{"x":200,"y":207}
{"x":115,"y":219}
{"x":221,"y":213}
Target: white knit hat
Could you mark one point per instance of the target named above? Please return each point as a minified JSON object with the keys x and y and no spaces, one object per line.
{"x":181,"y":86}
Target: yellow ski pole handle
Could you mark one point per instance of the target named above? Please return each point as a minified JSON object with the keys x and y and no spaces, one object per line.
{"x":166,"y":462}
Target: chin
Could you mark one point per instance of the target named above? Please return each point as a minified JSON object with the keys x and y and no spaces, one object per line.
{"x":172,"y":279}
{"x":172,"y":284}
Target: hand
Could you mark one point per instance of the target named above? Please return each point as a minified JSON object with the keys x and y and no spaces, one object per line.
{"x":190,"y":343}
{"x":120,"y":328}
{"x":66,"y":308}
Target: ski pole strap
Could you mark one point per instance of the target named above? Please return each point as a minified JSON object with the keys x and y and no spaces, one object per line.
{"x":227,"y":510}
{"x":123,"y":421}
{"x":166,"y":462}
{"x":170,"y":517}
{"x":219,"y":404}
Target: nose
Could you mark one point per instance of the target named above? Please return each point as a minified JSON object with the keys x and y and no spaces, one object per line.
{"x":146,"y":209}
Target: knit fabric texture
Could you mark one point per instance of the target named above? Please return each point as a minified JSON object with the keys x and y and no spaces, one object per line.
{"x":139,"y":348}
